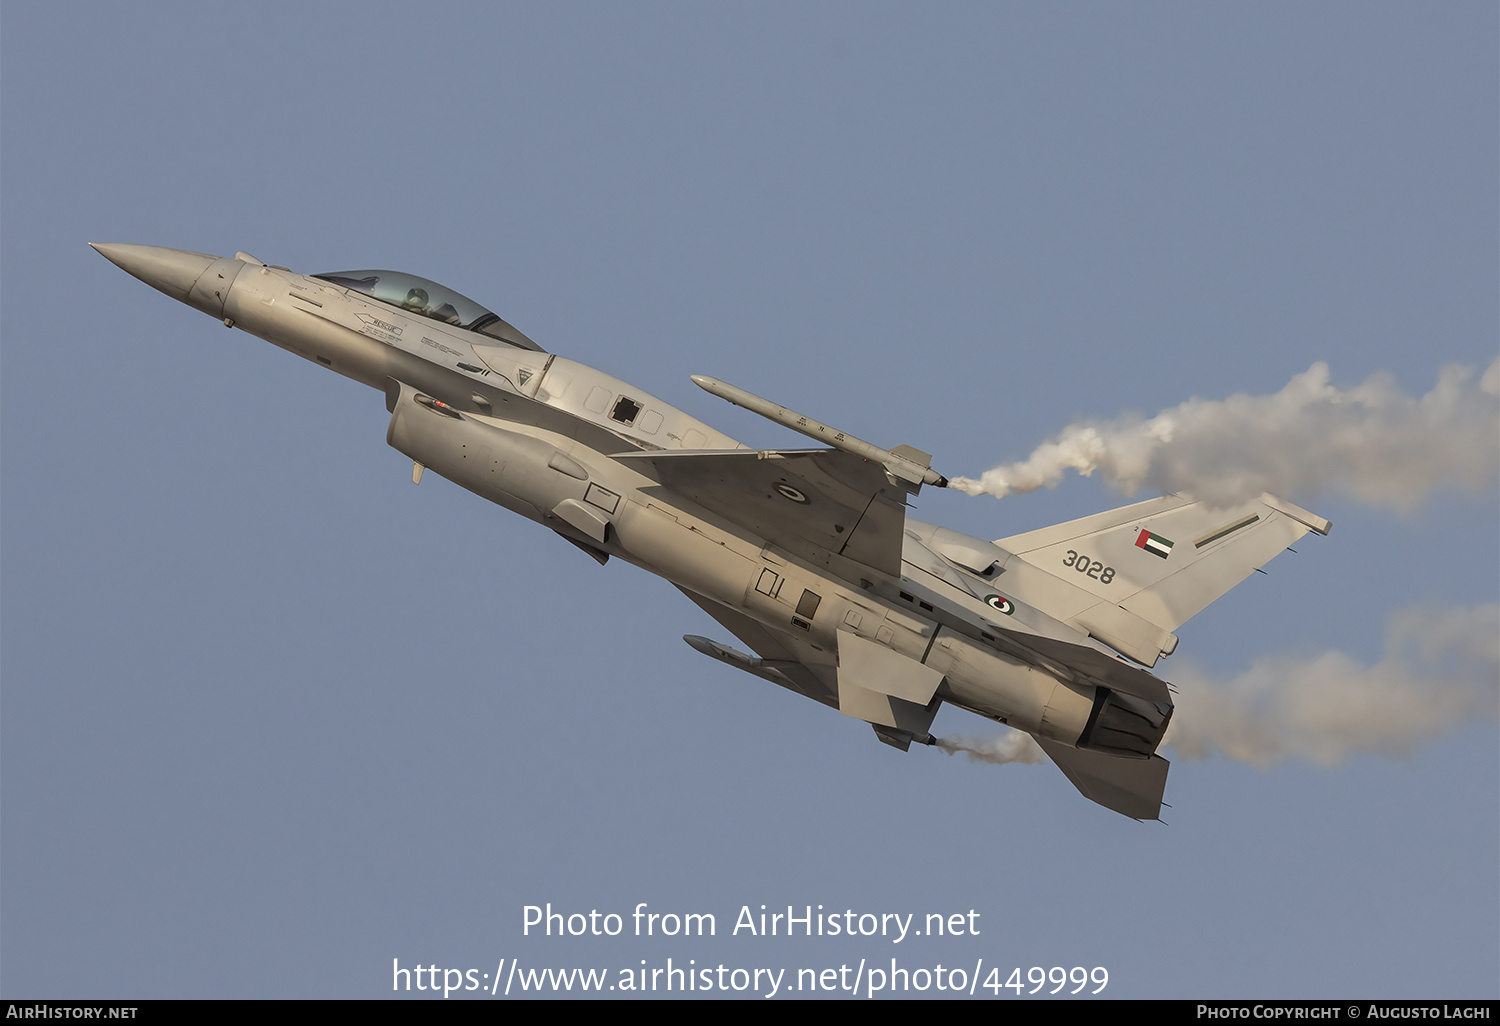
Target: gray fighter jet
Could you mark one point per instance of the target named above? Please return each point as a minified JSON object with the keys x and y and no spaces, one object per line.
{"x":805,"y":555}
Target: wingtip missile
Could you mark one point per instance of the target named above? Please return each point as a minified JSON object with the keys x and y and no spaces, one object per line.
{"x":905,"y":465}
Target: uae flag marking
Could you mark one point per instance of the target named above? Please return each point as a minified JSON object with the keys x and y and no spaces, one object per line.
{"x":1154,"y":544}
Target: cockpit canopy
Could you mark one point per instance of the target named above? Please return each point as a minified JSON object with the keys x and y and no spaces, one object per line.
{"x":428,"y":298}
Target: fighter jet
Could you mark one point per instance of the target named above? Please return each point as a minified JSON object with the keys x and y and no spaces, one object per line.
{"x":806,"y":555}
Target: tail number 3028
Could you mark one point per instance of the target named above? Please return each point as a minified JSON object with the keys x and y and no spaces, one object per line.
{"x":1089,"y":567}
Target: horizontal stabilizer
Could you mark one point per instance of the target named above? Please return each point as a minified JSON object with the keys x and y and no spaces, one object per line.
{"x":1097,"y":667}
{"x":1131,"y":787}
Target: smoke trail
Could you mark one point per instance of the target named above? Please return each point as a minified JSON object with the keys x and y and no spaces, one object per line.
{"x":1371,"y":441}
{"x":1441,"y":669}
{"x":1015,"y":746}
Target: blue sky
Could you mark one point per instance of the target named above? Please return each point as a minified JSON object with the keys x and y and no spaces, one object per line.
{"x":272,"y":717}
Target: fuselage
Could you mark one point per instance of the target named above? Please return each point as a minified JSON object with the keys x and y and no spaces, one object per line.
{"x":477,"y":402}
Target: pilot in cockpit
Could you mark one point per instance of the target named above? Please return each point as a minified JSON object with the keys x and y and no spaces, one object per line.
{"x":415,"y":301}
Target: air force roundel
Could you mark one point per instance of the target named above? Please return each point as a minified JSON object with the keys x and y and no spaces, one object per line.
{"x":788,"y":492}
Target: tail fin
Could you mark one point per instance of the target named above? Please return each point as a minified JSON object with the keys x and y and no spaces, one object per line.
{"x":1160,"y":561}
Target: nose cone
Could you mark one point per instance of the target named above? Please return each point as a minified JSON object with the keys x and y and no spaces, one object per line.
{"x":200,"y":280}
{"x":173,"y":271}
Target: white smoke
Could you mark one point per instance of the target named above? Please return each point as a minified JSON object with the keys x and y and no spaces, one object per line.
{"x":1441,"y":669}
{"x":1015,"y":746}
{"x":1371,"y":442}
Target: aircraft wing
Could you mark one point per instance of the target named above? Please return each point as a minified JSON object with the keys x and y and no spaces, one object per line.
{"x":814,"y":503}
